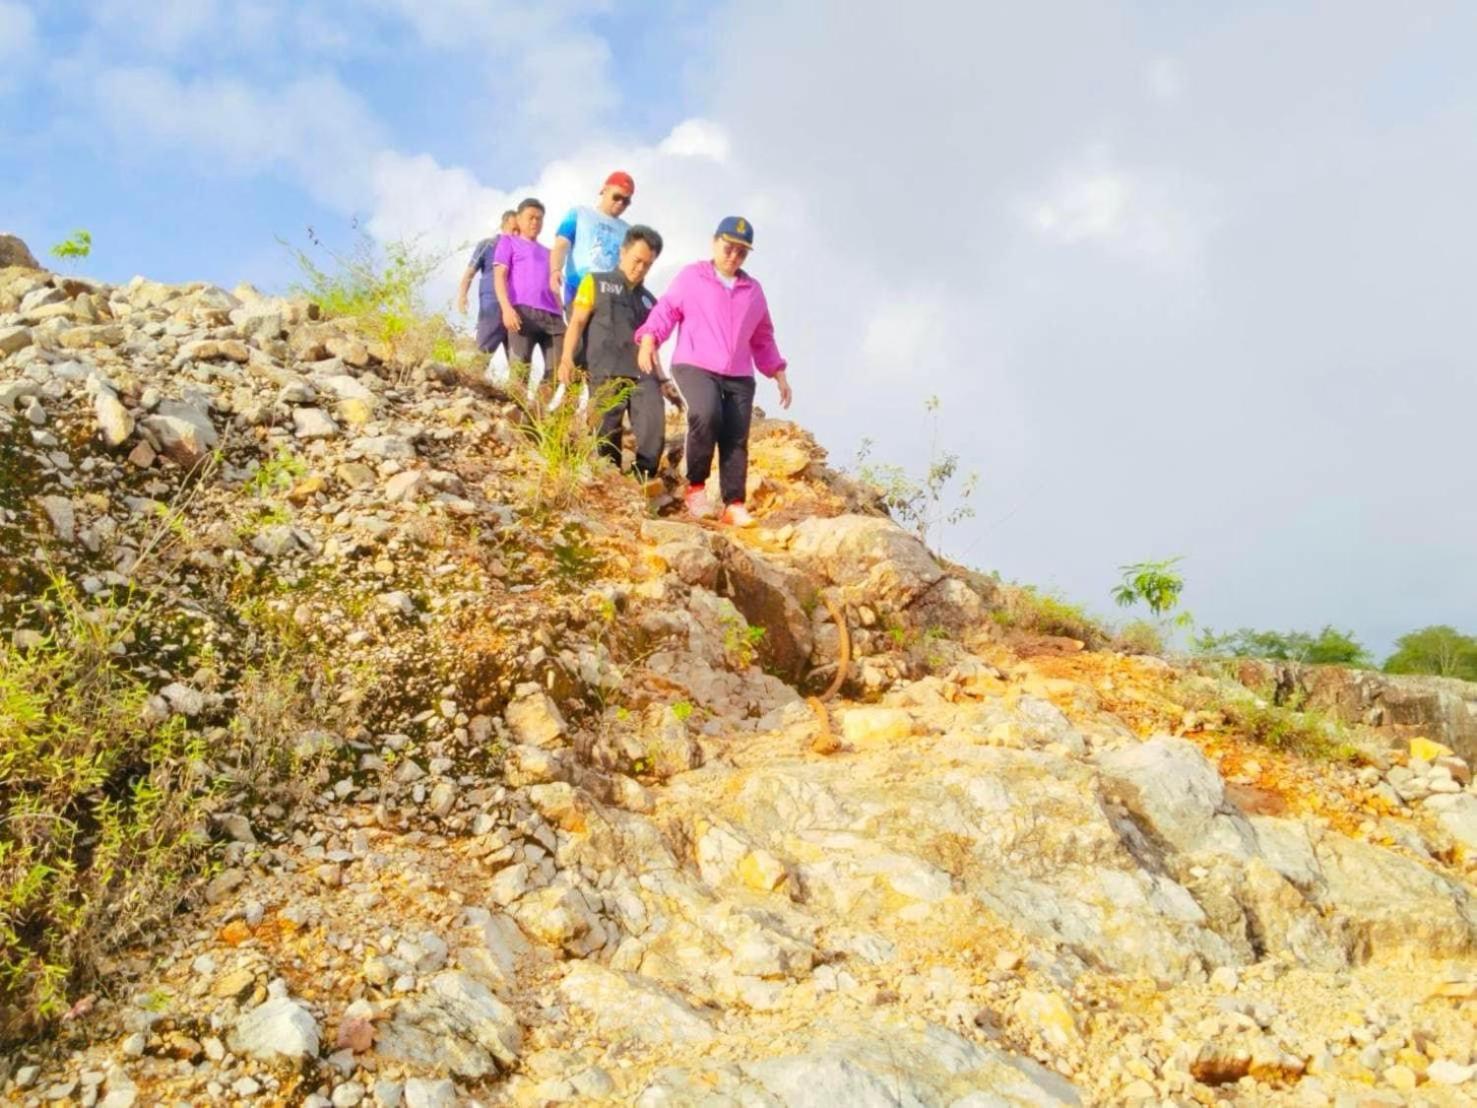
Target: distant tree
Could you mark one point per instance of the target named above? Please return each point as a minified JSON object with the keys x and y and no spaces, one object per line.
{"x":1330,"y":647}
{"x":1439,"y":650}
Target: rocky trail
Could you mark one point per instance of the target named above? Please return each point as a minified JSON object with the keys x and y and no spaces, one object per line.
{"x":558,"y":829}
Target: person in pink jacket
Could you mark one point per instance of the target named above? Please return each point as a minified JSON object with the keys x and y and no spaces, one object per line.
{"x":723,"y":334}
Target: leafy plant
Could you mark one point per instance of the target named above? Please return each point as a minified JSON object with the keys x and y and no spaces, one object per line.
{"x":925,"y":503}
{"x":1156,"y":585}
{"x":1438,"y":650}
{"x":277,"y":474}
{"x":741,"y":640}
{"x":78,"y":246}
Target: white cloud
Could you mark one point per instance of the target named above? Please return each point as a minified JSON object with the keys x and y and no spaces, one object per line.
{"x":163,"y":27}
{"x":17,"y":33}
{"x":1140,"y":213}
{"x":1165,"y":80}
{"x":314,"y":130}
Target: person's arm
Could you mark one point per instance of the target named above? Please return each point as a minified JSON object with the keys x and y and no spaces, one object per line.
{"x":664,"y":317}
{"x":584,"y":307}
{"x":500,"y":283}
{"x":500,"y":262}
{"x":563,"y":242}
{"x":463,"y":289}
{"x":767,"y":357}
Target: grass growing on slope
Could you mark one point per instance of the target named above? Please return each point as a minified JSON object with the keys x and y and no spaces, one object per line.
{"x":562,"y":445}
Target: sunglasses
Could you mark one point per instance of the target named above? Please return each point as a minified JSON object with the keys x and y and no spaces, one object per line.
{"x":620,"y":198}
{"x":735,"y":248}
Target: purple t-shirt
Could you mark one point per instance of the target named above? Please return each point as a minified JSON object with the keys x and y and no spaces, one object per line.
{"x":528,"y":272}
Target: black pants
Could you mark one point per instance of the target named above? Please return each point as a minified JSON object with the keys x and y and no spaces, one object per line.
{"x":718,"y":412}
{"x":542,"y":329}
{"x":642,"y":398}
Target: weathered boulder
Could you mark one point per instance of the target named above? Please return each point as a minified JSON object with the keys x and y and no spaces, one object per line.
{"x":15,"y":252}
{"x":456,"y":1026}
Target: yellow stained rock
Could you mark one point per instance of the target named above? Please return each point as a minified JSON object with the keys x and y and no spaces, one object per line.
{"x":1428,"y":749}
{"x":761,"y":870}
{"x":865,"y":728}
{"x":1048,"y":1015}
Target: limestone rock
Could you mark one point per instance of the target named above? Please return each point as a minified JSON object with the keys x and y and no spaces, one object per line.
{"x":630,"y":1005}
{"x":534,"y":719}
{"x":1178,"y":796}
{"x":280,"y":1029}
{"x":114,"y":422}
{"x":456,"y":1026}
{"x":313,"y":423}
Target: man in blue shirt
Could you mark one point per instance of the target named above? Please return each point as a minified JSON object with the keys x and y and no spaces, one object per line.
{"x":588,"y":240}
{"x":490,"y":330}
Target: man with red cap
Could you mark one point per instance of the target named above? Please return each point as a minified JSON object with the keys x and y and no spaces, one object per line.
{"x":589,"y":239}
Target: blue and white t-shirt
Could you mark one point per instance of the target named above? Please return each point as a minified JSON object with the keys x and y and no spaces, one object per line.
{"x":595,"y":245}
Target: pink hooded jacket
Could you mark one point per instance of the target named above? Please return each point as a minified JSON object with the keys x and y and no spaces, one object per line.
{"x":725,"y":331}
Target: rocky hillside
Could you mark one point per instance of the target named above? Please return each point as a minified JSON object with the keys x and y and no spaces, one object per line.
{"x":486,"y":794}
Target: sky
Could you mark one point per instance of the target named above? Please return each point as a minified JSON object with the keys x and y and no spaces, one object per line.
{"x":1187,"y":279}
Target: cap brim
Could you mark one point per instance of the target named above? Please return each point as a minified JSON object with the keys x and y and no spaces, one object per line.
{"x":737,"y":242}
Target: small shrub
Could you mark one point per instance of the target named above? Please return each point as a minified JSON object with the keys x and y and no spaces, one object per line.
{"x":562,"y":445}
{"x":1027,"y":608}
{"x":379,"y":289}
{"x":925,"y":503}
{"x":1139,"y":636}
{"x":78,"y":246}
{"x":101,"y":809}
{"x":1289,"y":728}
{"x":741,"y":641}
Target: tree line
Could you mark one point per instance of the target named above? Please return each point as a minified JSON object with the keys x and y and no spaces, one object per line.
{"x":1438,"y":650}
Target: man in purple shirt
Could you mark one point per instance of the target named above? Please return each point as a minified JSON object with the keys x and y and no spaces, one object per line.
{"x":530,"y":310}
{"x":724,"y":332}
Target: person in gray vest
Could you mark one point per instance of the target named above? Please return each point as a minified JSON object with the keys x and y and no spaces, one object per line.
{"x":607,"y":308}
{"x":490,"y":330}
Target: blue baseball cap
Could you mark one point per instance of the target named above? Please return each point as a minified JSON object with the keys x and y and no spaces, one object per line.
{"x":737,"y":230}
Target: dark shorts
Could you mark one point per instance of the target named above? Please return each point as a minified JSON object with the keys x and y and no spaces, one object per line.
{"x":541,"y":329}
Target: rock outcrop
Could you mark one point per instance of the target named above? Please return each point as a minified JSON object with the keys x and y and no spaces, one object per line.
{"x":559,"y":829}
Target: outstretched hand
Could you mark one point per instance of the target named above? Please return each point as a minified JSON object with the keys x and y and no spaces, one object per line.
{"x":647,"y":358}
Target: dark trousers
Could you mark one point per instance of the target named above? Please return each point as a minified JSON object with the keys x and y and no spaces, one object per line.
{"x":718,"y":412}
{"x":490,"y":330}
{"x":542,"y":329}
{"x":642,"y":400}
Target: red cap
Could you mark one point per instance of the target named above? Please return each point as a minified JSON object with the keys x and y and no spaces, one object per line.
{"x":622,"y":180}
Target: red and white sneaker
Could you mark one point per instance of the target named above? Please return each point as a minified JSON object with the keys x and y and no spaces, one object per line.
{"x":696,"y":501}
{"x":736,"y":515}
